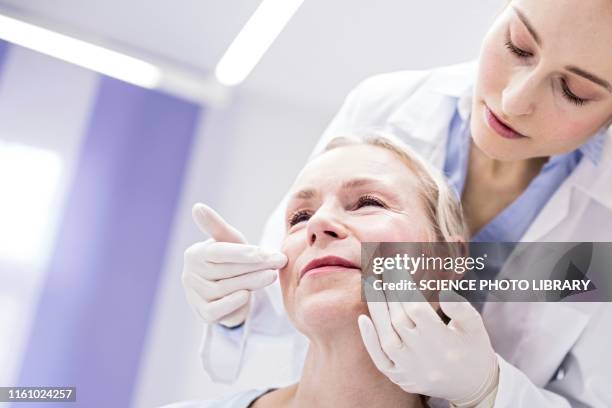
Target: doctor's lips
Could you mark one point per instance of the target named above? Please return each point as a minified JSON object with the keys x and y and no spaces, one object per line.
{"x":328,"y":264}
{"x":501,"y":128}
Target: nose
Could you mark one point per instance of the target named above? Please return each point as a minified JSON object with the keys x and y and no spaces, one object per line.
{"x":518,"y":98}
{"x":324,"y":226}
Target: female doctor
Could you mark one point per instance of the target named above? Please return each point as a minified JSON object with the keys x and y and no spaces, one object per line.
{"x":524,"y":137}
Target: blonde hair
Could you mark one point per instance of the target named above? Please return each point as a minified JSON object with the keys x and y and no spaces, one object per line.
{"x":440,"y":202}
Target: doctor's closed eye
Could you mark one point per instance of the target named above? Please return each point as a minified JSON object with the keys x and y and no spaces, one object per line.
{"x":366,"y":200}
{"x":523,"y":53}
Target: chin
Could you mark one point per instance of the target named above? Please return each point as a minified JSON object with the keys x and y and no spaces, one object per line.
{"x":328,"y":308}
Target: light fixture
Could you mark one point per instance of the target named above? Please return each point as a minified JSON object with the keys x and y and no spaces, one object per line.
{"x":254,"y":40}
{"x":96,"y":58}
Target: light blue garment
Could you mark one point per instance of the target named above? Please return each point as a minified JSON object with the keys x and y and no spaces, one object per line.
{"x":514,"y":220}
{"x":241,"y":400}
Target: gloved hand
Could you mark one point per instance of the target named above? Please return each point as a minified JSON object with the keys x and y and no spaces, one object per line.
{"x":220,"y":273}
{"x":411,"y":345}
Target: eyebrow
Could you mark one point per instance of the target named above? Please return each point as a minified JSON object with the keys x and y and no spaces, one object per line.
{"x":347,"y":185}
{"x":601,"y":82}
{"x":571,"y":68}
{"x":530,"y":28}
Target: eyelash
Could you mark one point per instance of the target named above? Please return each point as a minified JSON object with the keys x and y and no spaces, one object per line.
{"x":295,"y":218}
{"x":365,"y":200}
{"x":369,"y":200}
{"x":566,"y":91}
{"x":570,"y":96}
{"x":517,"y":51}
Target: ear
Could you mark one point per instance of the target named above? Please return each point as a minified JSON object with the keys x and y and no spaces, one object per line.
{"x":460,"y":244}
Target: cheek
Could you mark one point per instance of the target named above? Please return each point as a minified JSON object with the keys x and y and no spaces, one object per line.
{"x":493,"y":66}
{"x":569,"y":132}
{"x":395,"y":229}
{"x":292,"y":247}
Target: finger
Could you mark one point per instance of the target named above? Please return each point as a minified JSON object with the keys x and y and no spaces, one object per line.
{"x":235,"y":318}
{"x":227,"y":252}
{"x":462,"y":314}
{"x":221,"y":272}
{"x":219,"y":253}
{"x":210,"y":222}
{"x":372,"y":294}
{"x":212,"y":290}
{"x":421,"y":312}
{"x":372,"y":344}
{"x":217,"y":309}
{"x":379,"y":314}
{"x":389,"y":339}
{"x":400,"y":321}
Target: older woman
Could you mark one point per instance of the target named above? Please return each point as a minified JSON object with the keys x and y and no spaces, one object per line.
{"x":382,"y":192}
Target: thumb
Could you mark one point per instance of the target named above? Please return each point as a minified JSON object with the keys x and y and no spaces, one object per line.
{"x":372,"y":344}
{"x":211,"y":223}
{"x":462,"y":314}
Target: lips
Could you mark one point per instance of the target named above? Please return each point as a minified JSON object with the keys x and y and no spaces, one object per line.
{"x":501,"y":128}
{"x":327,"y":264}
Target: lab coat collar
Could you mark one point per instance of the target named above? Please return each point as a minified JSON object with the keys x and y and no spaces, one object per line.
{"x":458,"y":84}
{"x":589,"y":178}
{"x":424,"y":117}
{"x":594,"y":147}
{"x":594,"y":177}
{"x":455,"y":81}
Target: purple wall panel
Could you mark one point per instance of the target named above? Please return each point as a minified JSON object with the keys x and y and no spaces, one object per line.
{"x":4,"y":47}
{"x":96,"y":304}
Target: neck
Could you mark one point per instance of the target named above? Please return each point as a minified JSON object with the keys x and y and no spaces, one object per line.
{"x":339,"y":371}
{"x":506,"y":175}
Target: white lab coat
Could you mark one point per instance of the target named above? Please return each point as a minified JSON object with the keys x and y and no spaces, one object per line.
{"x":551,"y":354}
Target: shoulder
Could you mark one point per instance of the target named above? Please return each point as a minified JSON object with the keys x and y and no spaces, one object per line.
{"x":240,"y":400}
{"x":377,"y":97}
{"x":403,"y":82}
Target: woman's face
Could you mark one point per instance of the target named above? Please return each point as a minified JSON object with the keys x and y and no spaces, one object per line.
{"x":546,"y":72}
{"x":348,"y":195}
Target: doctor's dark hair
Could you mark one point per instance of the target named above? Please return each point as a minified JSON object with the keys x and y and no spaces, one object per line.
{"x":441,"y":203}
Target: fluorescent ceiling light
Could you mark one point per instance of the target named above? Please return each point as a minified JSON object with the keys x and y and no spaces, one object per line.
{"x":254,"y":40}
{"x":79,"y":52}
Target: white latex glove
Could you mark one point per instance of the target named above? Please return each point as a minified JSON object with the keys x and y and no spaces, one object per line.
{"x":411,"y":345}
{"x":220,"y":273}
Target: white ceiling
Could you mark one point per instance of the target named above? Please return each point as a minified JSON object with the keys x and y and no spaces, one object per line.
{"x":325,"y":50}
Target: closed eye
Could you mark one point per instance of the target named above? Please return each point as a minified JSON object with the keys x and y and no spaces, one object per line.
{"x":363,"y":201}
{"x":368,"y":200}
{"x":570,"y":96}
{"x":518,"y":51}
{"x":299,"y":216}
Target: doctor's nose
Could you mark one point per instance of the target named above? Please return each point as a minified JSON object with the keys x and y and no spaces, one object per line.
{"x":324,"y":227}
{"x":518,"y":98}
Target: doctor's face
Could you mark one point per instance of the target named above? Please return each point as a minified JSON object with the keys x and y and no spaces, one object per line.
{"x":348,"y":195}
{"x":545,"y":78}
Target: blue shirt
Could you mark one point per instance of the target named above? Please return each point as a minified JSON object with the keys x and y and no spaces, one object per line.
{"x":510,"y":224}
